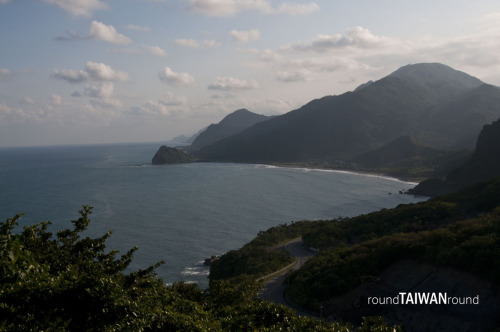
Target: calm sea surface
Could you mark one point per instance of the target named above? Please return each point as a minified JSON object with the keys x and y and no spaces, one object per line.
{"x":177,"y":213}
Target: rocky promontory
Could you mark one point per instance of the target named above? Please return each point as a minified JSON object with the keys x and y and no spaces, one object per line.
{"x":168,"y":155}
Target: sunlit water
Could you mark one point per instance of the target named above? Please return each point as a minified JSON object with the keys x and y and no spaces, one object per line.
{"x":177,"y":213}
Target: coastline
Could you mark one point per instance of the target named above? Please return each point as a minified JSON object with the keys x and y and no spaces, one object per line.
{"x":318,"y":167}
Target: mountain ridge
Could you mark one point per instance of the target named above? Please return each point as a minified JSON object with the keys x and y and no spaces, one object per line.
{"x":344,"y":126}
{"x":482,"y":165}
{"x":231,"y":124}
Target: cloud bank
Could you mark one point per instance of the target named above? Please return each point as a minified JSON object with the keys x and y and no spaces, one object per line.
{"x":167,"y":75}
{"x":227,"y":8}
{"x":93,"y":71}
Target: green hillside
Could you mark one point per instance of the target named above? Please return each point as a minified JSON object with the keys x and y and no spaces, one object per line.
{"x":459,"y":231}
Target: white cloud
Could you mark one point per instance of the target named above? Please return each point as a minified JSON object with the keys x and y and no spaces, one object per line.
{"x":4,"y":72}
{"x":227,"y":8}
{"x":12,"y":115}
{"x":171,"y":99}
{"x":357,"y":37}
{"x":55,"y":100}
{"x":168,"y":105}
{"x":245,"y":36}
{"x":101,"y":31}
{"x":329,"y":64}
{"x":178,"y":79}
{"x":103,"y":91}
{"x":187,"y":42}
{"x":232,"y":84}
{"x":152,"y":108}
{"x":78,"y":7}
{"x":297,"y":9}
{"x":27,"y":101}
{"x":4,"y":109}
{"x":300,"y":75}
{"x":146,"y":49}
{"x":137,"y":28}
{"x":93,"y":72}
{"x":156,"y":51}
{"x":270,"y":56}
{"x":102,"y":95}
{"x":98,"y":31}
{"x":192,"y":43}
{"x":210,"y":43}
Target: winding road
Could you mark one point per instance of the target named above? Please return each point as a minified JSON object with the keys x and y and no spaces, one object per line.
{"x":274,"y":289}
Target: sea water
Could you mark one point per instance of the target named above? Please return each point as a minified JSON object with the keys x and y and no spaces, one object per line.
{"x":177,"y":213}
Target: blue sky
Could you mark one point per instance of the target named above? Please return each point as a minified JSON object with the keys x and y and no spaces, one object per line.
{"x":102,"y":71}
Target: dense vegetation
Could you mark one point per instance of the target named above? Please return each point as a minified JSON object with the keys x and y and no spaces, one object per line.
{"x":261,"y":256}
{"x":459,"y":230}
{"x":70,"y":282}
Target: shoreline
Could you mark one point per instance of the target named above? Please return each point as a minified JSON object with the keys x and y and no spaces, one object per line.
{"x":407,"y":179}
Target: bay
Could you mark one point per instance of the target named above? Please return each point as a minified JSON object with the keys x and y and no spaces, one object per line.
{"x":177,"y":213}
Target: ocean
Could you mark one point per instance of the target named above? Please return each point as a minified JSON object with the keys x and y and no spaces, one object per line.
{"x":181,"y":213}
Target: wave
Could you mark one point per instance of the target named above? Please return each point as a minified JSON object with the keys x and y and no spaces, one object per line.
{"x":195,"y":271}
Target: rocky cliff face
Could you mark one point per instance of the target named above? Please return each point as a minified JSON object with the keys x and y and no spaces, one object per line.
{"x":168,"y":155}
{"x":485,"y":162}
{"x":483,"y":165}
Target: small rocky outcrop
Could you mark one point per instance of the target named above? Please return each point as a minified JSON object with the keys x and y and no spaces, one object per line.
{"x":209,"y":261}
{"x":168,"y":155}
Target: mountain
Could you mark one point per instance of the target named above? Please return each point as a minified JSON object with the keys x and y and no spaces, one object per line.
{"x":230,"y":125}
{"x":405,"y":157}
{"x":179,"y":140}
{"x":168,"y":155}
{"x":436,"y":75}
{"x":419,"y":100}
{"x":482,"y":165}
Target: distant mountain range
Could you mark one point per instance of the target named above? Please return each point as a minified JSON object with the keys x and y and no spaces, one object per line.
{"x":232,"y":124}
{"x":437,"y":106}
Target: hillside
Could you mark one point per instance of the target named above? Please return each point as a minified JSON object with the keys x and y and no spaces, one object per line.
{"x":482,"y":165}
{"x":168,"y":155}
{"x":230,"y":125}
{"x":405,"y":157}
{"x":447,"y":244}
{"x":417,"y":100}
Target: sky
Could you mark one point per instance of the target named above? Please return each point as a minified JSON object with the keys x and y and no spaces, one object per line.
{"x":109,"y":71}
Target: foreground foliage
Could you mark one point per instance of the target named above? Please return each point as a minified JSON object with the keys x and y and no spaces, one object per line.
{"x":70,"y":282}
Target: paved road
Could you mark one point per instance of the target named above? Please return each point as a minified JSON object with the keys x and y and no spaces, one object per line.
{"x":274,"y":290}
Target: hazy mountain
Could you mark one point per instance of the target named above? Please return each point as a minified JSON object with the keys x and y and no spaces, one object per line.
{"x":437,"y":75}
{"x":420,"y":101}
{"x":230,"y":125}
{"x":482,"y":165}
{"x":179,"y":140}
{"x":364,"y":85}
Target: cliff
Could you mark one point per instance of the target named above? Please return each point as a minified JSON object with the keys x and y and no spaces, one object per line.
{"x":482,"y":165}
{"x":168,"y":155}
